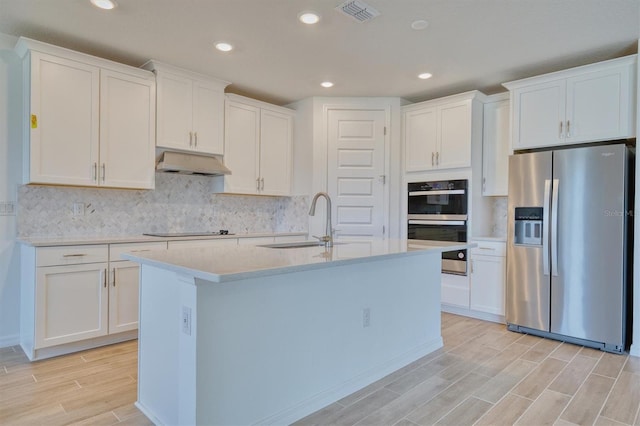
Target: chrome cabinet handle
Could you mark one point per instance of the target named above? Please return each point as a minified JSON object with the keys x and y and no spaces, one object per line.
{"x":103,"y":172}
{"x":257,"y":184}
{"x":568,"y":128}
{"x":195,"y":138}
{"x":262,"y":184}
{"x":437,"y":158}
{"x":74,"y":255}
{"x":190,"y":138}
{"x":113,"y":271}
{"x":561,"y":124}
{"x":472,"y":266}
{"x":104,"y":275}
{"x":95,"y":172}
{"x":433,"y":154}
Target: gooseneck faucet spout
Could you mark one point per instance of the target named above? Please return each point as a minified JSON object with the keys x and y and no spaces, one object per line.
{"x":327,"y":239}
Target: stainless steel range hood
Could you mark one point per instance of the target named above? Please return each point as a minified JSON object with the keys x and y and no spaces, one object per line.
{"x":191,"y":164}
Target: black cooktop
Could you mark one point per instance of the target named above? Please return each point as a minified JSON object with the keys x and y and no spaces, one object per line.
{"x":188,"y":234}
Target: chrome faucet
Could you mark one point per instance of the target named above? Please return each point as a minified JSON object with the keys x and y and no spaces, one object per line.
{"x":327,"y":239}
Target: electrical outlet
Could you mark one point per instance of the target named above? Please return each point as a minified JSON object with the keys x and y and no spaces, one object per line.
{"x":78,"y":209}
{"x":186,"y":320}
{"x":366,"y":317}
{"x":7,"y":208}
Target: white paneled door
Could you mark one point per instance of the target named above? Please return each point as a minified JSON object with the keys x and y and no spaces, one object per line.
{"x":356,"y":172}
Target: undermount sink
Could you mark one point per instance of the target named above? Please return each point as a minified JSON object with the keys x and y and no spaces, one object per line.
{"x":295,"y":244}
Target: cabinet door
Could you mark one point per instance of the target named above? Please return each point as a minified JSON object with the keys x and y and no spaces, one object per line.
{"x":71,"y":303}
{"x":455,"y":135}
{"x":539,"y":115}
{"x":420,"y":139}
{"x":174,"y":111}
{"x":241,"y":152}
{"x":487,"y":284}
{"x":598,"y":106}
{"x":123,"y":296}
{"x":455,"y":290}
{"x":208,"y":118}
{"x":64,"y":121}
{"x":275,"y":153}
{"x":127,"y":131}
{"x":495,"y":149}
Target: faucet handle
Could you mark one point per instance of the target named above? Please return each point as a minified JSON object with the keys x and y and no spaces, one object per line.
{"x":323,"y":239}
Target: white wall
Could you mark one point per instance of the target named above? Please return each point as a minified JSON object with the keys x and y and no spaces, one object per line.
{"x":10,"y":173}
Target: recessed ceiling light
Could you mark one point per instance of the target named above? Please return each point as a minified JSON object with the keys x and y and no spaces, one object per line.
{"x":104,"y":4}
{"x":326,"y":84}
{"x":223,"y":46}
{"x":420,"y":24}
{"x":425,"y":75}
{"x":309,"y":18}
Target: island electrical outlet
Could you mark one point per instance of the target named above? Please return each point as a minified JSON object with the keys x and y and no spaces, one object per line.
{"x":186,"y":320}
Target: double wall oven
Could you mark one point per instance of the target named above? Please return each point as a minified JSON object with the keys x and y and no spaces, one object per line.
{"x":437,"y":211}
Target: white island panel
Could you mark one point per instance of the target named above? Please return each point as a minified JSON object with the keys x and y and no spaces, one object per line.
{"x":271,"y":348}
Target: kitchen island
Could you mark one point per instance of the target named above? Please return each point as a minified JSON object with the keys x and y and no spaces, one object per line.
{"x":248,"y":335}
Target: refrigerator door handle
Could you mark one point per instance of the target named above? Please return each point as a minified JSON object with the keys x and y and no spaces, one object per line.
{"x":554,"y":228}
{"x":545,"y":226}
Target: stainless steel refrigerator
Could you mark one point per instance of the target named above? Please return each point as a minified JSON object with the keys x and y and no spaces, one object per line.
{"x":569,"y":222}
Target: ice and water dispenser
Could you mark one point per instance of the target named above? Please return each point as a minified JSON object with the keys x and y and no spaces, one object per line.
{"x":528,"y":229}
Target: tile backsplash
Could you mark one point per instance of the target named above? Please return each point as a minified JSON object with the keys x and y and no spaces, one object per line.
{"x":180,"y":203}
{"x":499,"y":217}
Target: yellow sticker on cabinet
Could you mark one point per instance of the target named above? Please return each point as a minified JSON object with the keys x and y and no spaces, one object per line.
{"x":34,"y":121}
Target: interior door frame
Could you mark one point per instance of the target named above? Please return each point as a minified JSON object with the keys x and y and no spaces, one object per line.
{"x":372,"y":105}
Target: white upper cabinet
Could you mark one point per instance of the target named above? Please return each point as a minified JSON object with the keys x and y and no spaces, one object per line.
{"x":585,"y":104}
{"x":496,"y":146}
{"x":190,"y":110}
{"x":258,"y":148}
{"x":88,"y":121}
{"x":127,"y":131}
{"x":438,"y":134}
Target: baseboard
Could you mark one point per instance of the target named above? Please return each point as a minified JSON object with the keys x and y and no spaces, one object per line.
{"x":10,"y":340}
{"x":352,"y":385}
{"x":473,"y":314}
{"x":81,"y":345}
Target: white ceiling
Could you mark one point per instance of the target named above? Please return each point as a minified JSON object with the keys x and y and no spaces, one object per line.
{"x":469,"y":44}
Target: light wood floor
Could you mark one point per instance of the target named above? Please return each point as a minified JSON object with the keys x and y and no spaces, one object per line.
{"x":484,"y":375}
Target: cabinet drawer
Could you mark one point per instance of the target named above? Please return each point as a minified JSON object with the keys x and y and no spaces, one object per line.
{"x":489,"y":248}
{"x":71,"y":255}
{"x":115,"y":250}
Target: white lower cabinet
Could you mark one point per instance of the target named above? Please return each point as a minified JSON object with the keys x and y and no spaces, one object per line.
{"x":480,"y":294}
{"x":455,"y":290}
{"x":75,"y":298}
{"x":488,"y":277}
{"x":123,"y":284}
{"x":71,"y":303}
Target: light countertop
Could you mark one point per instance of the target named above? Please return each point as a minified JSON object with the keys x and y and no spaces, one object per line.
{"x":116,"y":239}
{"x":222,"y":264}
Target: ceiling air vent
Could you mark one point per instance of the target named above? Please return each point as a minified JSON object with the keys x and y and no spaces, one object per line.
{"x":358,"y":10}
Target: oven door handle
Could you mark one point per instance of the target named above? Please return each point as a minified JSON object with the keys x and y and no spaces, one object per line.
{"x":436,"y":222}
{"x":438,"y":192}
